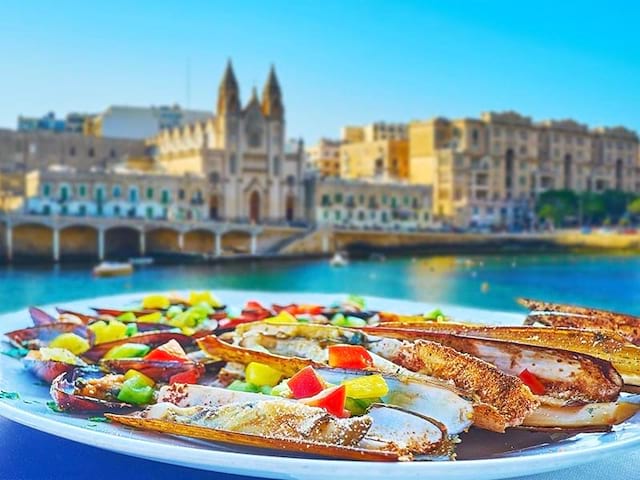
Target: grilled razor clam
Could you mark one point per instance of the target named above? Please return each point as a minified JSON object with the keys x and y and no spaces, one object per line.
{"x":507,"y":394}
{"x":406,"y":389}
{"x":569,"y":378}
{"x":489,"y":410}
{"x":608,"y":346}
{"x":391,"y":427}
{"x":574,"y":316}
{"x":269,"y":418}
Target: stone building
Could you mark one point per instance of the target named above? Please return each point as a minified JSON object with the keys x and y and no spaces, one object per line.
{"x":115,"y":192}
{"x":254,"y":173}
{"x":373,"y":132}
{"x":489,"y":171}
{"x":25,"y":151}
{"x":372,"y":205}
{"x":324,"y":157}
{"x":139,"y":122}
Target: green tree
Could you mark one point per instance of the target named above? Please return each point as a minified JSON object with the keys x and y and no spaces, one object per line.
{"x":634,"y":207}
{"x":562,"y":205}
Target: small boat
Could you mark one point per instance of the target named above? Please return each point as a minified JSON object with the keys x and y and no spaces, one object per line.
{"x":141,"y":261}
{"x":113,"y":269}
{"x":338,"y":260}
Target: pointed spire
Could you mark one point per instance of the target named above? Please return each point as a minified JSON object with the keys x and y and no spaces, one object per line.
{"x":272,"y":97}
{"x":228,"y":92}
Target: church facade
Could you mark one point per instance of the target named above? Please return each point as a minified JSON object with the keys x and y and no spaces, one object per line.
{"x":253,"y":173}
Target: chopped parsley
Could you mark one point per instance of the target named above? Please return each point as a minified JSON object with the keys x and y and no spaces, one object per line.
{"x":99,"y":419}
{"x":54,"y":406}
{"x":9,"y":395}
{"x":15,"y":352}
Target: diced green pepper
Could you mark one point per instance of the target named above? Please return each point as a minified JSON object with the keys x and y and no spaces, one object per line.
{"x":132,"y":329}
{"x":339,"y":320}
{"x":135,"y":392}
{"x":359,"y":406}
{"x":436,"y":315}
{"x":127,"y":317}
{"x":356,"y":300}
{"x":355,"y":322}
{"x":127,"y":350}
{"x":174,"y":310}
{"x":266,"y":389}
{"x":240,"y":386}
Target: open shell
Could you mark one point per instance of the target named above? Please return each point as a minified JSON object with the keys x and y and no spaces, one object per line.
{"x":40,"y":336}
{"x":160,"y":371}
{"x":152,"y":338}
{"x":63,"y":393}
{"x":40,"y":317}
{"x":47,"y":370}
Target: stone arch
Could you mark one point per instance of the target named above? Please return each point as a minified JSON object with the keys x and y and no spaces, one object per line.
{"x":32,"y":241}
{"x":78,"y":241}
{"x":236,"y":242}
{"x":199,"y":241}
{"x":121,"y":242}
{"x":163,"y":240}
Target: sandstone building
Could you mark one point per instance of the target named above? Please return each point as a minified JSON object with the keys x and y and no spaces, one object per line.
{"x":254,"y":174}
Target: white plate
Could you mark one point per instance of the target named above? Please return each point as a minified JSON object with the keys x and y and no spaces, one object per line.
{"x":31,"y":410}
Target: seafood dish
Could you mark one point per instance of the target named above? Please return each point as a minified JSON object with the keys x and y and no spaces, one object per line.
{"x":337,"y":381}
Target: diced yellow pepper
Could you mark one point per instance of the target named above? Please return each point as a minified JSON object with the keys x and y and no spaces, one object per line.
{"x":261,"y":374}
{"x":59,"y":355}
{"x":107,"y":332}
{"x":283,"y":317}
{"x":156,"y":301}
{"x":142,"y":378}
{"x":369,"y":386}
{"x":70,"y":341}
{"x":188,"y":330}
{"x":154,"y":317}
{"x":204,"y":297}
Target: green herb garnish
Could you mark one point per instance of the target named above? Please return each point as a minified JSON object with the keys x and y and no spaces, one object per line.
{"x":54,"y":406}
{"x":15,"y":352}
{"x":99,"y":419}
{"x":9,"y":395}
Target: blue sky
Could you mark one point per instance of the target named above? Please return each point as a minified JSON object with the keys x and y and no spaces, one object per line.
{"x":339,"y":62}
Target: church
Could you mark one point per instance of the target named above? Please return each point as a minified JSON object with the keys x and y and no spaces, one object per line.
{"x":253,"y":173}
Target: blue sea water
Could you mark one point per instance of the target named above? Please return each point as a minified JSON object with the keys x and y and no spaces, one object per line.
{"x":607,"y":281}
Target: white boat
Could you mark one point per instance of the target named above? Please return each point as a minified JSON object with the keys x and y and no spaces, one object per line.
{"x":141,"y":261}
{"x":113,"y":269}
{"x":338,"y":260}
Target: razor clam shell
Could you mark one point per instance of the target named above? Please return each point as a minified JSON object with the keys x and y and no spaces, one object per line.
{"x":40,"y":317}
{"x":249,"y":440}
{"x":158,"y":370}
{"x":40,"y":336}
{"x":152,"y":338}
{"x":63,"y":388}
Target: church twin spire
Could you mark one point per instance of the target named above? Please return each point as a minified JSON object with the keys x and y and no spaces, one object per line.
{"x":229,"y":95}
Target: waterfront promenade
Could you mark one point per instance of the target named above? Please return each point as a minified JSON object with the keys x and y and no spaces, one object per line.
{"x":58,"y":238}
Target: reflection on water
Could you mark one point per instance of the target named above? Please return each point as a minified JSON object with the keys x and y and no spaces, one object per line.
{"x":608,"y":281}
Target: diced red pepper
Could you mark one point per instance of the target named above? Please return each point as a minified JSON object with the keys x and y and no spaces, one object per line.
{"x":253,"y":305}
{"x":170,"y":351}
{"x":349,"y":356}
{"x":531,"y":381}
{"x":190,"y":376}
{"x":305,"y":383}
{"x":331,"y":399}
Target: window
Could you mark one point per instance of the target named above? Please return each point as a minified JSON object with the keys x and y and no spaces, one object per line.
{"x":338,"y":198}
{"x":116,"y":192}
{"x":166,"y":198}
{"x":133,"y":194}
{"x":233,"y":164}
{"x":149,"y":193}
{"x":475,"y":137}
{"x":92,"y":152}
{"x":72,"y":152}
{"x":406,"y":200}
{"x":214,"y":178}
{"x":326,"y":200}
{"x":276,"y":165}
{"x":337,"y":215}
{"x":46,"y":190}
{"x":149,"y":212}
{"x":112,"y":153}
{"x":181,"y":194}
{"x":99,"y":193}
{"x":426,"y":216}
{"x":82,"y":210}
{"x":64,"y":192}
{"x":361,"y":215}
{"x":116,"y":210}
{"x":82,"y":190}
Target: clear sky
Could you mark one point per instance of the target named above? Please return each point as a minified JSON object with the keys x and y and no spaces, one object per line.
{"x":339,"y":62}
